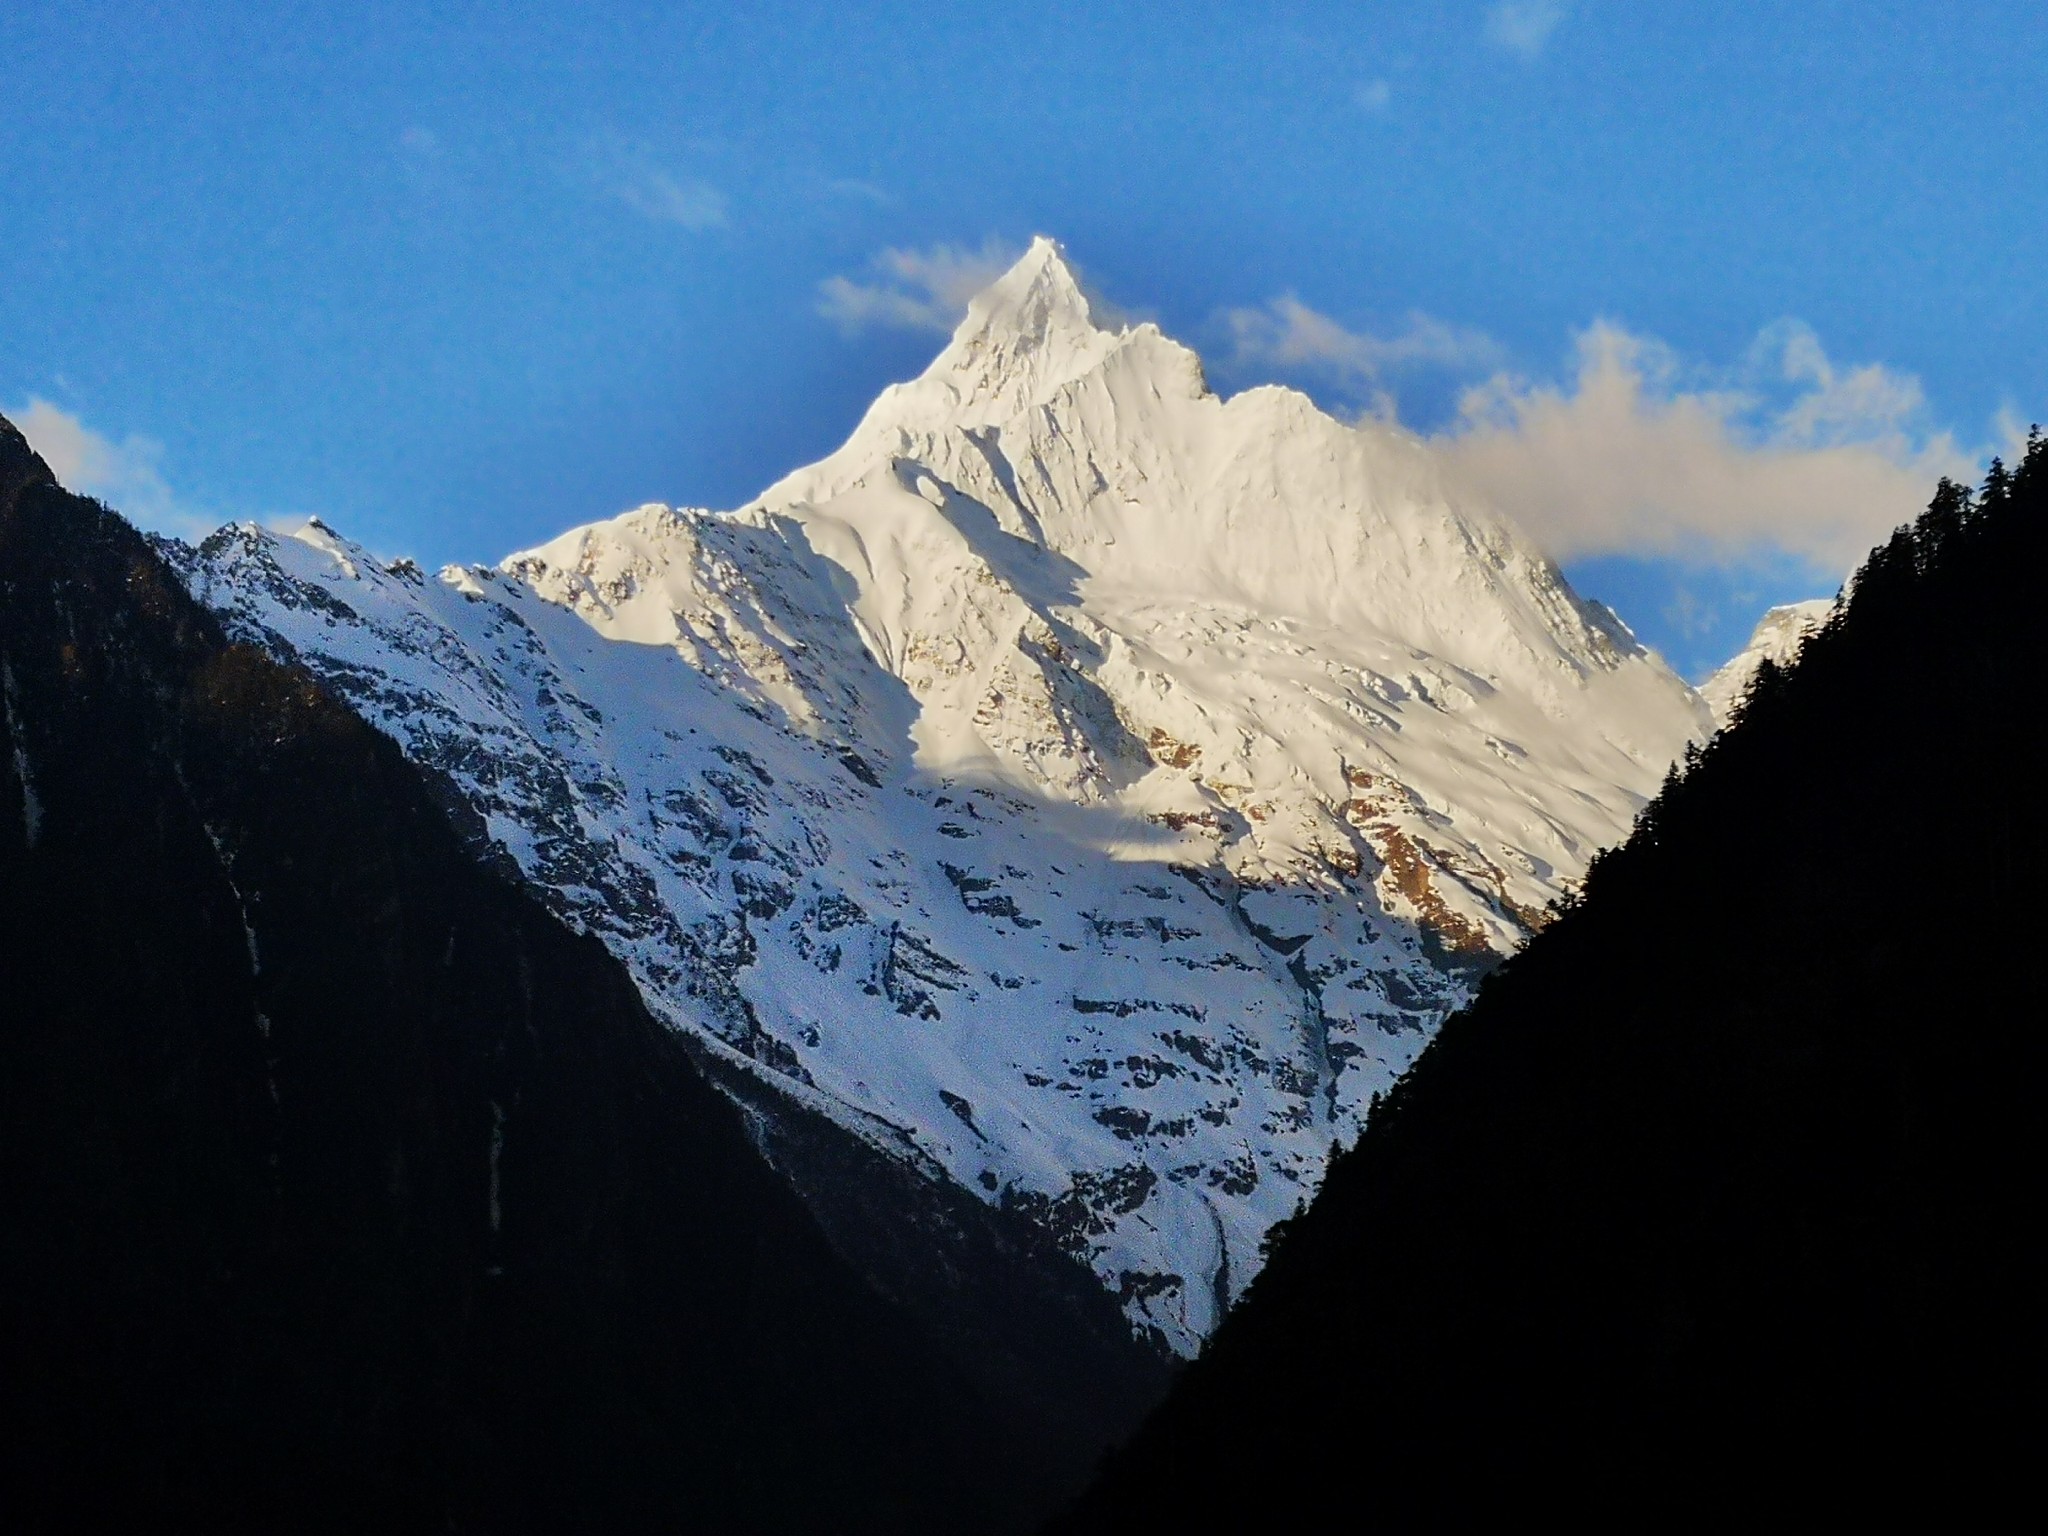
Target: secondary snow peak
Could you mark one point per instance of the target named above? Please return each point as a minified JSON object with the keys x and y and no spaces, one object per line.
{"x":1777,"y":638}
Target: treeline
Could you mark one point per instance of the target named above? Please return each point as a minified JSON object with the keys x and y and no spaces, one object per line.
{"x":1721,"y":1194}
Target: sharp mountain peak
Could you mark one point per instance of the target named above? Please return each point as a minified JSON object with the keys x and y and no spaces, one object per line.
{"x":1039,"y":295}
{"x":1089,"y":788}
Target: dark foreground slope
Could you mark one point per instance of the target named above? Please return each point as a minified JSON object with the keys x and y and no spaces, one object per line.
{"x":1722,"y":1194}
{"x":344,"y":1187}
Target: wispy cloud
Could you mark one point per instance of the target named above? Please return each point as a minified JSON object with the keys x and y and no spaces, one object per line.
{"x":123,"y":474}
{"x":1523,"y":27}
{"x":669,"y":199}
{"x":2011,"y":431}
{"x":1287,"y":334}
{"x":1373,"y":96}
{"x":858,"y":190}
{"x":633,"y":176}
{"x":1639,"y":455}
{"x":914,"y":290}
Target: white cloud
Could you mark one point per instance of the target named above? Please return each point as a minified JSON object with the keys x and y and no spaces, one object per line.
{"x":1374,"y":96}
{"x":124,"y":475}
{"x":914,"y":290}
{"x":1288,"y":334}
{"x":1523,"y":26}
{"x":1788,"y":452}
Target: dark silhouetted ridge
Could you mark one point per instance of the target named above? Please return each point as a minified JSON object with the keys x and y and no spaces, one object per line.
{"x":1721,"y":1197}
{"x":346,"y":1189}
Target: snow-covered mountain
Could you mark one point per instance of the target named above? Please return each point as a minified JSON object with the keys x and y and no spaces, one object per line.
{"x":1085,"y":787}
{"x":1776,"y":638}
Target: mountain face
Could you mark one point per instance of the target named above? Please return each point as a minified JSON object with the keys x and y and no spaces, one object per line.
{"x":348,"y":1190}
{"x":1776,"y":639}
{"x":1719,"y":1201}
{"x":1080,"y":788}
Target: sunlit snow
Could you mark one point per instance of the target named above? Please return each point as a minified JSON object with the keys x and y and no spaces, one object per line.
{"x":1088,"y":787}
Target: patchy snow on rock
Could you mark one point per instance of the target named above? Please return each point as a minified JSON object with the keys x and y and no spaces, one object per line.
{"x":1090,"y":788}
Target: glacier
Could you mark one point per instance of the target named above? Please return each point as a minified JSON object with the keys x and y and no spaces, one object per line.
{"x":1086,"y":789}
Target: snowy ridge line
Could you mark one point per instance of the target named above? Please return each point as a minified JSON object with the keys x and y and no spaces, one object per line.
{"x":1107,"y":785}
{"x":1777,"y":638}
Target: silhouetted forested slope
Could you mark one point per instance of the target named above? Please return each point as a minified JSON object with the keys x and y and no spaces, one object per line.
{"x":345,"y":1188}
{"x":1724,"y":1192}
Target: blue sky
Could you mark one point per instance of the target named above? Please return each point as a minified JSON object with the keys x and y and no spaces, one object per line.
{"x":1705,"y":295}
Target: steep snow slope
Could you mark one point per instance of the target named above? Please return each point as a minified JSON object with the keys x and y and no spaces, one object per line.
{"x":1090,"y":788}
{"x":1777,"y":638}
